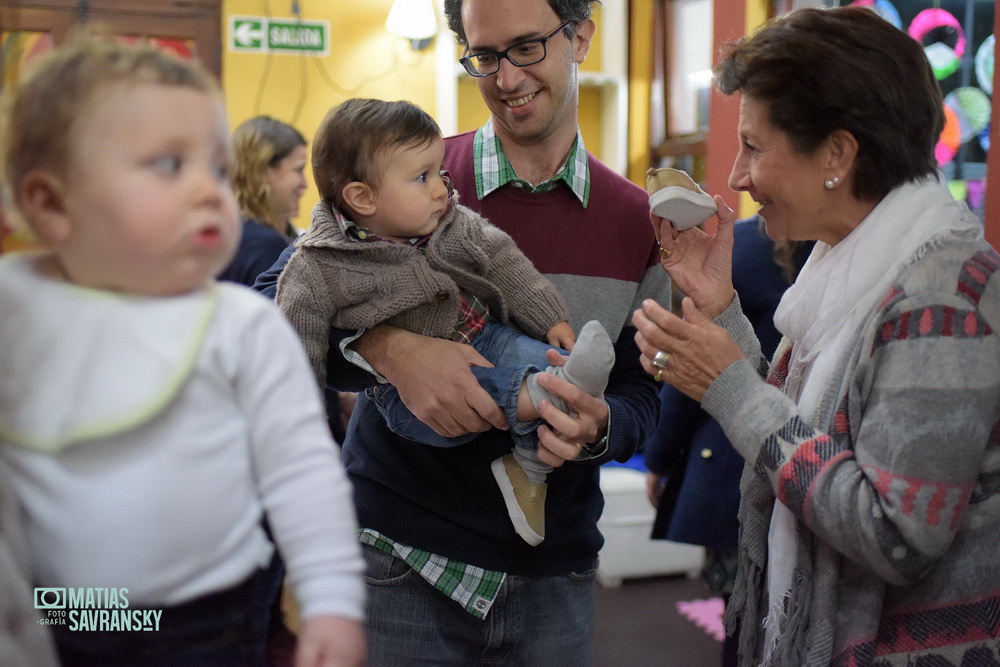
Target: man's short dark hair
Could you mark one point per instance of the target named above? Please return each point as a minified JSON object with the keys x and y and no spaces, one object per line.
{"x":574,"y":11}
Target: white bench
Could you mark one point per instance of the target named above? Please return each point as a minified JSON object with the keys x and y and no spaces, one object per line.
{"x":628,"y":551}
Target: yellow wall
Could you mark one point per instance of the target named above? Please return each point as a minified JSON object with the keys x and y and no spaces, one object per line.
{"x":756,"y":14}
{"x":639,"y":90}
{"x":640,"y":75}
{"x":591,"y":103}
{"x":595,"y":56}
{"x":364,"y":61}
{"x":472,"y":111}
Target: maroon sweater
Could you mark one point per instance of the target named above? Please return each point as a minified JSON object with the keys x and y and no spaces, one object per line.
{"x":594,"y":255}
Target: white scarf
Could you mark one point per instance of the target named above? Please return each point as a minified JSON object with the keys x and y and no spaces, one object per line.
{"x":823,"y":312}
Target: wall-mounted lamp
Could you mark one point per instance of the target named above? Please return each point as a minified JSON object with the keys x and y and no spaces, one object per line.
{"x":413,"y":19}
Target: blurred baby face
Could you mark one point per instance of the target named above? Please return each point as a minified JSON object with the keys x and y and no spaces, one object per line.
{"x":411,"y":195}
{"x":147,"y":191}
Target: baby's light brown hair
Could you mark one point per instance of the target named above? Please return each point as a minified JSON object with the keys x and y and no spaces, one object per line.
{"x":39,"y":111}
{"x":349,"y":139}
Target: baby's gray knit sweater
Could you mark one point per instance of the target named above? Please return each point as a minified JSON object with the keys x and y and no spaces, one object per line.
{"x":334,"y":281}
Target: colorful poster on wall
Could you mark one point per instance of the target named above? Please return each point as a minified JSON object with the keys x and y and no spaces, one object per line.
{"x":957,"y":36}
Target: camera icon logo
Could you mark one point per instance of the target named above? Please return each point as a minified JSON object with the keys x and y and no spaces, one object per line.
{"x":50,"y":598}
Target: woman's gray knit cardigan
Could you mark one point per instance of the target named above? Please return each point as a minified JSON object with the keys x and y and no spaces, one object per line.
{"x":896,"y":490}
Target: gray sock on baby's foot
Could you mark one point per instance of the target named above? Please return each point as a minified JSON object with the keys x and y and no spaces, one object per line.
{"x":534,"y":470}
{"x":588,"y":366}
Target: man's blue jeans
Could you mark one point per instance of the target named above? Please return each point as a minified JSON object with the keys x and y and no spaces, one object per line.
{"x":535,"y":621}
{"x":513,"y":356}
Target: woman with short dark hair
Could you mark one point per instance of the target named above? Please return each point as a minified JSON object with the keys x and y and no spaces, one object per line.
{"x":870,"y":500}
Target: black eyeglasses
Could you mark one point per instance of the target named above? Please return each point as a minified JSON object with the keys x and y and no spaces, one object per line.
{"x":521,"y":54}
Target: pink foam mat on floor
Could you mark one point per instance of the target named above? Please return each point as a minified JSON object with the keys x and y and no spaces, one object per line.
{"x":706,"y":614}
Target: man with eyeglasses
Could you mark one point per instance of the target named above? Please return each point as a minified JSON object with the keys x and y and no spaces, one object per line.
{"x":450,"y":582}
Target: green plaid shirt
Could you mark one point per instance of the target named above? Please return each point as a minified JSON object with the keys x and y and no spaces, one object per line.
{"x":474,"y":588}
{"x":493,"y":169}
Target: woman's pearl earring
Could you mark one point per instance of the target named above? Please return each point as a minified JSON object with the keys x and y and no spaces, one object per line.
{"x":831,"y":183}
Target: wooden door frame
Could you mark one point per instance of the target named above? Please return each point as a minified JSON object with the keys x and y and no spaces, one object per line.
{"x":196,"y":20}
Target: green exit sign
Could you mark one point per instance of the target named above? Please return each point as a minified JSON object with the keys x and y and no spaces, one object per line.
{"x":260,"y":34}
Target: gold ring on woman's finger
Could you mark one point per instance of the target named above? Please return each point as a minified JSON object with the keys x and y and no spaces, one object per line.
{"x":659,"y":375}
{"x":665,"y":253}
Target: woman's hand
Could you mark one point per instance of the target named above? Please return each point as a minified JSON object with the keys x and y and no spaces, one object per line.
{"x":698,"y":350}
{"x":700,"y":264}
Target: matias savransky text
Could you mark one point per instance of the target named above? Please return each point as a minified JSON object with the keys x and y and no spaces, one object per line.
{"x":94,"y":609}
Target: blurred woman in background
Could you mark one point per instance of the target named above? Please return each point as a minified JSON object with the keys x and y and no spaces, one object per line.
{"x":269,"y":180}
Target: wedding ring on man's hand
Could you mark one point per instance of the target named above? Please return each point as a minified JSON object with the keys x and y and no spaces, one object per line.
{"x":665,"y":253}
{"x":660,"y":359}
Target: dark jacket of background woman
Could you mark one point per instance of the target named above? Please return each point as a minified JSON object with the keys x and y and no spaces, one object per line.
{"x":699,"y":502}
